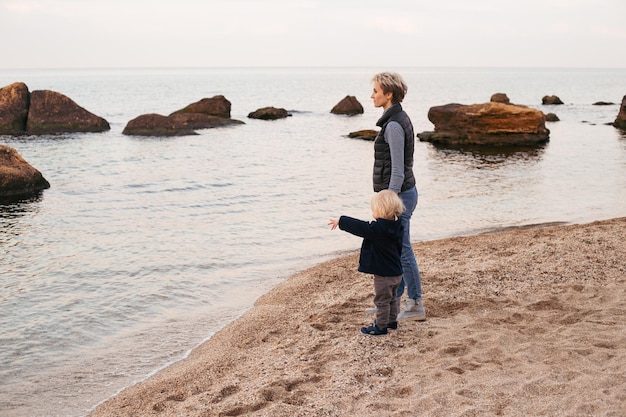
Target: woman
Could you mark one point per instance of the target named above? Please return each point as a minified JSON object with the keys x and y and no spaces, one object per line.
{"x":393,"y":170}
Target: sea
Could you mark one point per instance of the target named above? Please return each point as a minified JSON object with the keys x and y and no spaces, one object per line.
{"x":144,"y":247}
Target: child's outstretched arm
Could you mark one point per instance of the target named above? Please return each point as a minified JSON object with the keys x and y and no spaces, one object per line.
{"x":333,"y":223}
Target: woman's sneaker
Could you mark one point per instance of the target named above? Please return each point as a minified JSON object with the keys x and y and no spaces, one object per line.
{"x":373,"y":330}
{"x":414,"y":310}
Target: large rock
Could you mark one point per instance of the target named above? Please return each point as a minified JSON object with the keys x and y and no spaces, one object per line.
{"x":206,"y":113}
{"x":620,"y":121}
{"x":349,"y":105}
{"x":14,"y":102}
{"x":52,"y":113}
{"x":486,"y":124}
{"x":18,"y":177}
{"x":269,"y":113}
{"x":215,"y":106}
{"x":156,"y":125}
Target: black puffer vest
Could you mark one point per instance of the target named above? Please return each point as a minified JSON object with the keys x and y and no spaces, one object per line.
{"x":382,"y":155}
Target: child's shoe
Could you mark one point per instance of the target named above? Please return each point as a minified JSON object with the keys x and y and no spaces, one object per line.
{"x":373,"y":330}
{"x":393,"y":325}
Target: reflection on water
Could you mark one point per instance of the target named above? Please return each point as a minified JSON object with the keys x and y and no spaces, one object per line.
{"x":18,"y":204}
{"x":11,"y":211}
{"x":491,"y":156}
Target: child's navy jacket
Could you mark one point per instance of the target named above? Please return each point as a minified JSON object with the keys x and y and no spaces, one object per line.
{"x":381,"y":247}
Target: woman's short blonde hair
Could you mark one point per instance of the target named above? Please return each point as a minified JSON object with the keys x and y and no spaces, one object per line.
{"x":392,"y":82}
{"x":387,"y":204}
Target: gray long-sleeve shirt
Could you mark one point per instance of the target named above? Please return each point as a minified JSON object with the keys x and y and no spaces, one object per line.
{"x":394,"y":136}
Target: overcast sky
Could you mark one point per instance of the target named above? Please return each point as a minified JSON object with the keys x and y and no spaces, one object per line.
{"x":210,"y":33}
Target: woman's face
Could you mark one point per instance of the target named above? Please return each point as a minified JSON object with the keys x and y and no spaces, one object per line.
{"x":381,"y":99}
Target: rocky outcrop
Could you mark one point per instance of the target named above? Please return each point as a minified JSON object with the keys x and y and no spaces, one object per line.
{"x":18,"y":177}
{"x":551,"y":100}
{"x":494,"y":124}
{"x":156,"y":125}
{"x":44,"y":112}
{"x":620,"y":121}
{"x":349,"y":105}
{"x":551,"y":117}
{"x":269,"y":113}
{"x":206,"y":113}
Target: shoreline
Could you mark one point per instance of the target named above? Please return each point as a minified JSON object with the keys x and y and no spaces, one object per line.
{"x":522,"y":321}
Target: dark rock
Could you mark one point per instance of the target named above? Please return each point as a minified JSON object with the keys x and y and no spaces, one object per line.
{"x":202,"y":121}
{"x":551,"y":100}
{"x":14,"y":102}
{"x":18,"y":177}
{"x":620,"y":121}
{"x":500,"y":98}
{"x":349,"y":105}
{"x":52,"y":113}
{"x":269,"y":113}
{"x":367,"y":134}
{"x":603,"y":103}
{"x":551,"y":117}
{"x":156,"y":125}
{"x":486,"y":124}
{"x":215,"y":106}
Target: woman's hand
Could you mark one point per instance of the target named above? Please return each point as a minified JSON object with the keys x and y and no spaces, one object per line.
{"x":333,"y":223}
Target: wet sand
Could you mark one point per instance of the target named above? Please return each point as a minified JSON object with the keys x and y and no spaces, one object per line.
{"x":521,"y":322}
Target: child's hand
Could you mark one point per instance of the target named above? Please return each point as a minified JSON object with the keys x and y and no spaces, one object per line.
{"x":333,"y":223}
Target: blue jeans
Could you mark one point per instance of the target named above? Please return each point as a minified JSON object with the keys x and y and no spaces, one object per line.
{"x":411,"y":273}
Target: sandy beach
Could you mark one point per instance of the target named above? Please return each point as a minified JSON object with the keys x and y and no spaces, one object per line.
{"x":521,"y":322}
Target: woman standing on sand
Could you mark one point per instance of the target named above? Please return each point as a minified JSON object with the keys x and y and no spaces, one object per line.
{"x":393,"y":170}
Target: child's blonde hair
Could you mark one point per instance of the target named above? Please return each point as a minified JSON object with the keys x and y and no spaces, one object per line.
{"x":387,"y":204}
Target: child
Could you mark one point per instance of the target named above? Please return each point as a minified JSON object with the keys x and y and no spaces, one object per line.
{"x":380,"y":256}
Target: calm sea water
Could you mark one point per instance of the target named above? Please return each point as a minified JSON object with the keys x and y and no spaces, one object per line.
{"x":144,"y":247}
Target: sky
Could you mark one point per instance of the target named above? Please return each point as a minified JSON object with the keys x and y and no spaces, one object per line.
{"x":302,"y":33}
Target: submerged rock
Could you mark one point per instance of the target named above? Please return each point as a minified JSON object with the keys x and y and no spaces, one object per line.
{"x":494,"y":124}
{"x":18,"y":177}
{"x":551,"y":100}
{"x":269,"y":113}
{"x":500,"y":98}
{"x":366,"y":134}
